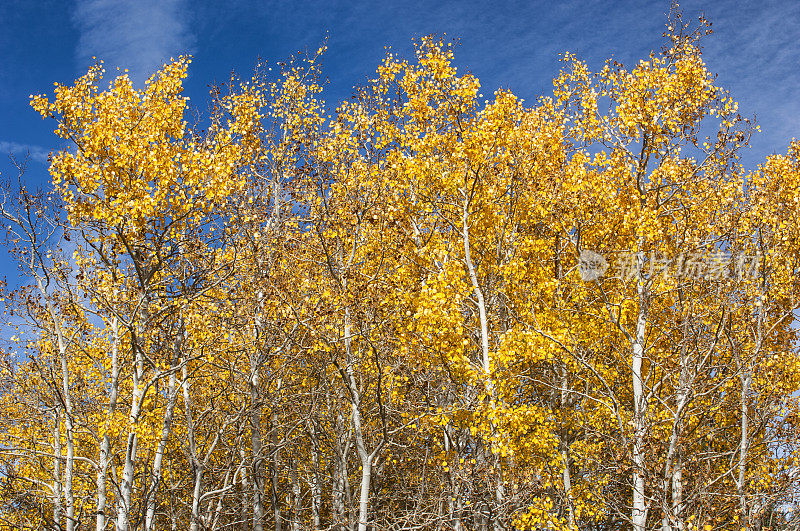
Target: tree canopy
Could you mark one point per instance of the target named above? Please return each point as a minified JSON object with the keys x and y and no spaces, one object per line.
{"x":421,"y":310}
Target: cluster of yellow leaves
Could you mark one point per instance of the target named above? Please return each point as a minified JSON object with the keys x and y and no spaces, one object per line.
{"x":413,"y":263}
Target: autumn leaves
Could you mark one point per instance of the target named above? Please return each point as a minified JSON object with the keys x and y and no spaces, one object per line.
{"x":376,"y":318}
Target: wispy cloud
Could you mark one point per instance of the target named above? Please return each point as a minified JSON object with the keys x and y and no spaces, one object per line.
{"x":19,"y":151}
{"x":755,"y":50}
{"x":135,"y":34}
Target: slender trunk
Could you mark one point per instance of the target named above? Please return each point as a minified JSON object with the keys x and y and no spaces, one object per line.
{"x":672,"y":480}
{"x":57,"y":508}
{"x":366,"y":470}
{"x":454,"y":503}
{"x":355,"y":402}
{"x":257,"y":455}
{"x":255,"y":426}
{"x":201,"y":467}
{"x":126,"y":488}
{"x":639,"y":509}
{"x":484,"y":323}
{"x":197,"y":466}
{"x":566,"y":476}
{"x":105,"y":445}
{"x":69,"y":468}
{"x":677,"y":491}
{"x":457,"y":507}
{"x":499,"y":494}
{"x":295,"y":525}
{"x":567,"y":479}
{"x":363,"y":504}
{"x":66,"y":407}
{"x":276,"y":466}
{"x":340,"y":488}
{"x":166,"y":428}
{"x":480,"y":300}
{"x":198,"y":483}
{"x":226,"y":484}
{"x":131,"y":447}
{"x":673,"y":468}
{"x":316,"y":491}
{"x":244,"y":510}
{"x":746,"y":379}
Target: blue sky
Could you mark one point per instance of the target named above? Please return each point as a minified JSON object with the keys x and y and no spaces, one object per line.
{"x":755,"y":49}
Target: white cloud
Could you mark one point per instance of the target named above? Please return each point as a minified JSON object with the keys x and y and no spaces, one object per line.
{"x":135,"y":34}
{"x":19,"y":151}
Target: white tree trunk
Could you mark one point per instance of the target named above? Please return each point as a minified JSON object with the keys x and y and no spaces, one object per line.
{"x":673,"y":468}
{"x":257,"y":466}
{"x":276,"y":466}
{"x":126,"y":488}
{"x":316,"y":490}
{"x":66,"y":407}
{"x":166,"y":428}
{"x":639,"y":506}
{"x":484,"y":323}
{"x":296,"y":500}
{"x":484,"y":327}
{"x":366,"y":470}
{"x":746,"y":377}
{"x":257,"y":451}
{"x":105,"y":445}
{"x":198,"y":484}
{"x":57,"y":487}
{"x":340,"y":490}
{"x":244,"y":509}
{"x":455,"y":503}
{"x":677,"y":491}
{"x":566,"y":476}
{"x":355,"y":402}
{"x":69,"y":466}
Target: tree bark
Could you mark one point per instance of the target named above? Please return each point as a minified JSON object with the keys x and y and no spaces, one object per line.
{"x":166,"y":428}
{"x":105,"y":445}
{"x":316,"y":490}
{"x":256,"y":444}
{"x":639,"y":506}
{"x":57,"y":486}
{"x":275,"y":478}
{"x":296,"y":499}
